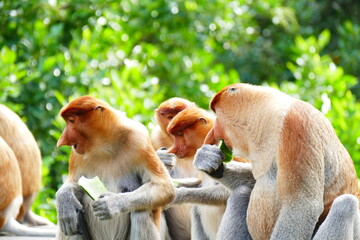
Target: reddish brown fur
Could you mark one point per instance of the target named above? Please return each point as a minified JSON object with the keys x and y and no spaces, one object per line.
{"x":188,"y":127}
{"x":294,"y":157}
{"x":166,"y":111}
{"x":10,"y":179}
{"x":82,"y":105}
{"x":19,"y":138}
{"x":217,"y":97}
{"x":156,"y":217}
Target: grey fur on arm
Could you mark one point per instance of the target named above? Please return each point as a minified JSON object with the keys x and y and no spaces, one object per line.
{"x":214,"y":195}
{"x":69,"y":207}
{"x":209,"y":159}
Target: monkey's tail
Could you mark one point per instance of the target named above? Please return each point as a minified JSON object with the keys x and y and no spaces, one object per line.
{"x":12,"y":226}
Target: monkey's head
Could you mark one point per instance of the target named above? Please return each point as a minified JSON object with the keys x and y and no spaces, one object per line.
{"x":168,"y":109}
{"x":189,"y":128}
{"x":85,"y":118}
{"x":228,"y":104}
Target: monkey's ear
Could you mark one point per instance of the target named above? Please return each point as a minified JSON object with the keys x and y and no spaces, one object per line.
{"x":202,"y":120}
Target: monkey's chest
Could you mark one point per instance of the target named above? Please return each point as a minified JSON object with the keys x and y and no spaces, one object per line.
{"x":119,"y":226}
{"x":116,"y":228}
{"x":263,"y":209}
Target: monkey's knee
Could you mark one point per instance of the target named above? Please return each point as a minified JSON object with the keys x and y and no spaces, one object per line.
{"x":345,"y":205}
{"x":143,"y":226}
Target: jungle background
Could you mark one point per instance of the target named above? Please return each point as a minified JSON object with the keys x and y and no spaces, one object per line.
{"x":137,"y":53}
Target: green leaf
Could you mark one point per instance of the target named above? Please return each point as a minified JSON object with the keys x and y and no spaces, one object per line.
{"x":7,"y":56}
{"x":92,"y":186}
{"x":324,"y":39}
{"x":227,"y":152}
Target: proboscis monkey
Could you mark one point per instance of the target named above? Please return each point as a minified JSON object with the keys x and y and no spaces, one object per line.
{"x":11,"y":198}
{"x":178,"y":219}
{"x":160,"y":138}
{"x":189,"y":128}
{"x":17,"y":135}
{"x":117,"y":150}
{"x":298,"y":162}
{"x":166,"y":111}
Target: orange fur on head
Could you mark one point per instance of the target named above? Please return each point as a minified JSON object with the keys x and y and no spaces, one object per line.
{"x":82,"y":105}
{"x":168,"y":110}
{"x":164,"y":114}
{"x":189,"y":127}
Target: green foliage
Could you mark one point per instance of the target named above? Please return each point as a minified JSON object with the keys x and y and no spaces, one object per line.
{"x":135,"y":54}
{"x":323,"y":84}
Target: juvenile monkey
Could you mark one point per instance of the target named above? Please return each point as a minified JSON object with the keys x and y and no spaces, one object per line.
{"x":11,"y":198}
{"x":117,"y":150}
{"x":189,"y":129}
{"x":177,"y":220}
{"x":166,"y":111}
{"x":160,"y":138}
{"x":19,"y":138}
{"x":298,"y":162}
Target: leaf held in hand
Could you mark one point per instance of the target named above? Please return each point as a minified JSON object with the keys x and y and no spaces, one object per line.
{"x":227,"y":152}
{"x":92,"y":186}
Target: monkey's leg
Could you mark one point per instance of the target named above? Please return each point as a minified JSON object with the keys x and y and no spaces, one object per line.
{"x":343,"y":220}
{"x":30,"y":217}
{"x":143,"y":226}
{"x":197,"y":229}
{"x":18,"y":229}
{"x":233,"y":224}
{"x":164,"y":230}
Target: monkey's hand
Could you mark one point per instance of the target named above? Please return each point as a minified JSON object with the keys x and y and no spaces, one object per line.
{"x":168,"y":159}
{"x":209,"y":159}
{"x":69,"y":208}
{"x":108,"y":205}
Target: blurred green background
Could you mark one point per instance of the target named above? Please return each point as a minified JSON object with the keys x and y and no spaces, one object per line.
{"x":137,"y":53}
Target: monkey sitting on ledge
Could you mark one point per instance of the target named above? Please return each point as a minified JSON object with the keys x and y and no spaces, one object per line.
{"x":302,"y":170}
{"x":117,"y":150}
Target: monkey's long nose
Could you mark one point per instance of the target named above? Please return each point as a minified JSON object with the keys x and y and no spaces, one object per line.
{"x":172,"y":149}
{"x":210,"y":138}
{"x":62,"y":141}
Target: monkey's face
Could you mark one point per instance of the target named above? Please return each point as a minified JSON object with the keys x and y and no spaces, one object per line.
{"x":216,"y":134}
{"x":169,"y":109}
{"x":73,"y":135}
{"x":163,"y":119}
{"x":227,"y":104}
{"x":190,"y":139}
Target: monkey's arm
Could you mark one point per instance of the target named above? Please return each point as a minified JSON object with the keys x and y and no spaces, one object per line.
{"x":187,"y":182}
{"x":156,"y":191}
{"x":209,"y":159}
{"x":69,"y":207}
{"x":214,"y":195}
{"x":148,"y":196}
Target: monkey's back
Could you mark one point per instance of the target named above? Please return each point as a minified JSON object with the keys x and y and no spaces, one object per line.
{"x":17,"y":135}
{"x":10,"y":182}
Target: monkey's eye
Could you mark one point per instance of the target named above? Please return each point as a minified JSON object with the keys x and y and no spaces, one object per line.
{"x":71,"y":120}
{"x":170,"y":117}
{"x":232,"y":89}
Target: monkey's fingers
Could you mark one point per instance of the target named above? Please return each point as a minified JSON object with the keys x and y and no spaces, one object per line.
{"x":98,"y":205}
{"x":208,"y":158}
{"x":106,"y":195}
{"x":102,"y":213}
{"x":68,"y":226}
